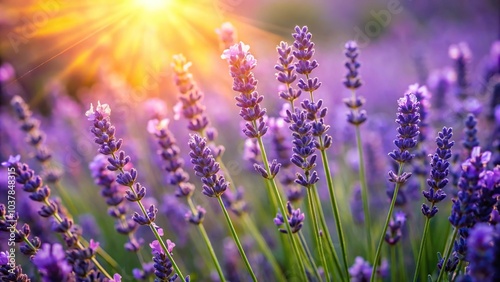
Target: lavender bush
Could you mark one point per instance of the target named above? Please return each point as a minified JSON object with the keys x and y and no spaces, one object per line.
{"x":165,"y":203}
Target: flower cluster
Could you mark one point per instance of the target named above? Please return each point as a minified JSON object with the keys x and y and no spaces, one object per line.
{"x":114,"y":196}
{"x":206,"y":167}
{"x":439,"y":172}
{"x":294,"y":216}
{"x":241,"y":64}
{"x":190,"y":99}
{"x":35,"y":137}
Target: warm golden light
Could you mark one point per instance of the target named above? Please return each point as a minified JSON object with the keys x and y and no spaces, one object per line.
{"x":153,"y":5}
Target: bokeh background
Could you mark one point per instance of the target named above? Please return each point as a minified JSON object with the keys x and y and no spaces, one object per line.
{"x":61,"y":55}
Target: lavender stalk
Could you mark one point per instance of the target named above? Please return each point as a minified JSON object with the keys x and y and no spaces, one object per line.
{"x":104,"y":133}
{"x":357,"y":117}
{"x":408,"y":119}
{"x":241,"y":64}
{"x":304,"y":50}
{"x":214,"y":185}
{"x":436,"y":182}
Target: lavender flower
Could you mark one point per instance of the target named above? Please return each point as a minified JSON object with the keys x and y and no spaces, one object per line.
{"x":461,"y":55}
{"x":356,"y":116}
{"x":360,"y":271}
{"x":408,"y":119}
{"x":114,"y":199}
{"x":295,"y":219}
{"x":33,"y":184}
{"x":470,"y":141}
{"x":480,"y":253}
{"x":162,"y":264}
{"x":352,"y":80}
{"x":170,"y":153}
{"x":464,"y":209}
{"x":438,"y":175}
{"x":227,"y":35}
{"x":190,"y":98}
{"x":304,"y":147}
{"x":8,"y":272}
{"x":241,"y":64}
{"x":286,"y":73}
{"x":35,"y":137}
{"x":394,"y":231}
{"x":206,"y":167}
{"x":304,"y":50}
{"x":51,"y":263}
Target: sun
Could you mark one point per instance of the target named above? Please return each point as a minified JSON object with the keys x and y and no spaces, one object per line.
{"x":153,"y":5}
{"x":135,"y":38}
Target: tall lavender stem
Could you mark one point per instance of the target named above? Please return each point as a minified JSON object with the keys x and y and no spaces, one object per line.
{"x":356,"y":117}
{"x":304,"y":50}
{"x":214,"y":185}
{"x":436,"y":182}
{"x":241,"y":64}
{"x":104,"y":133}
{"x":408,"y":120}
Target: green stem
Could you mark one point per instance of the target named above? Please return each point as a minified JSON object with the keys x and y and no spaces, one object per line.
{"x":306,"y":254}
{"x":317,"y":233}
{"x":277,"y":195}
{"x":236,"y":239}
{"x":327,"y":237}
{"x":364,"y":193}
{"x":105,"y":256}
{"x":335,"y":208}
{"x":207,"y":241}
{"x":447,"y":255}
{"x":394,"y":267}
{"x":421,"y":249}
{"x":263,"y":246}
{"x":389,"y":215}
{"x":402,"y":268}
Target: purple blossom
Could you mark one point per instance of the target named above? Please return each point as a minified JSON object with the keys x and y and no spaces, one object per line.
{"x":352,"y":80}
{"x":171,"y":155}
{"x":227,"y":35}
{"x":360,"y":271}
{"x":394,"y":231}
{"x":190,"y":96}
{"x":294,"y":216}
{"x":241,"y":64}
{"x":480,"y":253}
{"x":461,"y":55}
{"x":408,"y":120}
{"x":206,"y":167}
{"x":439,"y":172}
{"x":304,"y":147}
{"x":162,"y":264}
{"x":51,"y":263}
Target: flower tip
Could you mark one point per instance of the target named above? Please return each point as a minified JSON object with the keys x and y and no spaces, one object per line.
{"x":12,"y":160}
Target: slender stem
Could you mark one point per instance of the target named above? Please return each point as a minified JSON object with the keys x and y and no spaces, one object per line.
{"x":257,"y":236}
{"x":317,"y":232}
{"x":394,"y":267}
{"x":447,"y":255}
{"x":206,"y":239}
{"x":236,"y":239}
{"x":335,"y":208}
{"x":402,"y":268}
{"x":421,"y":249}
{"x":327,"y":237}
{"x":364,"y":193}
{"x":153,"y":229}
{"x":389,"y":215}
{"x":281,"y":206}
{"x":306,"y":253}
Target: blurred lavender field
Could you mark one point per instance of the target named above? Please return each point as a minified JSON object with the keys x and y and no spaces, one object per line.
{"x":195,"y":169}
